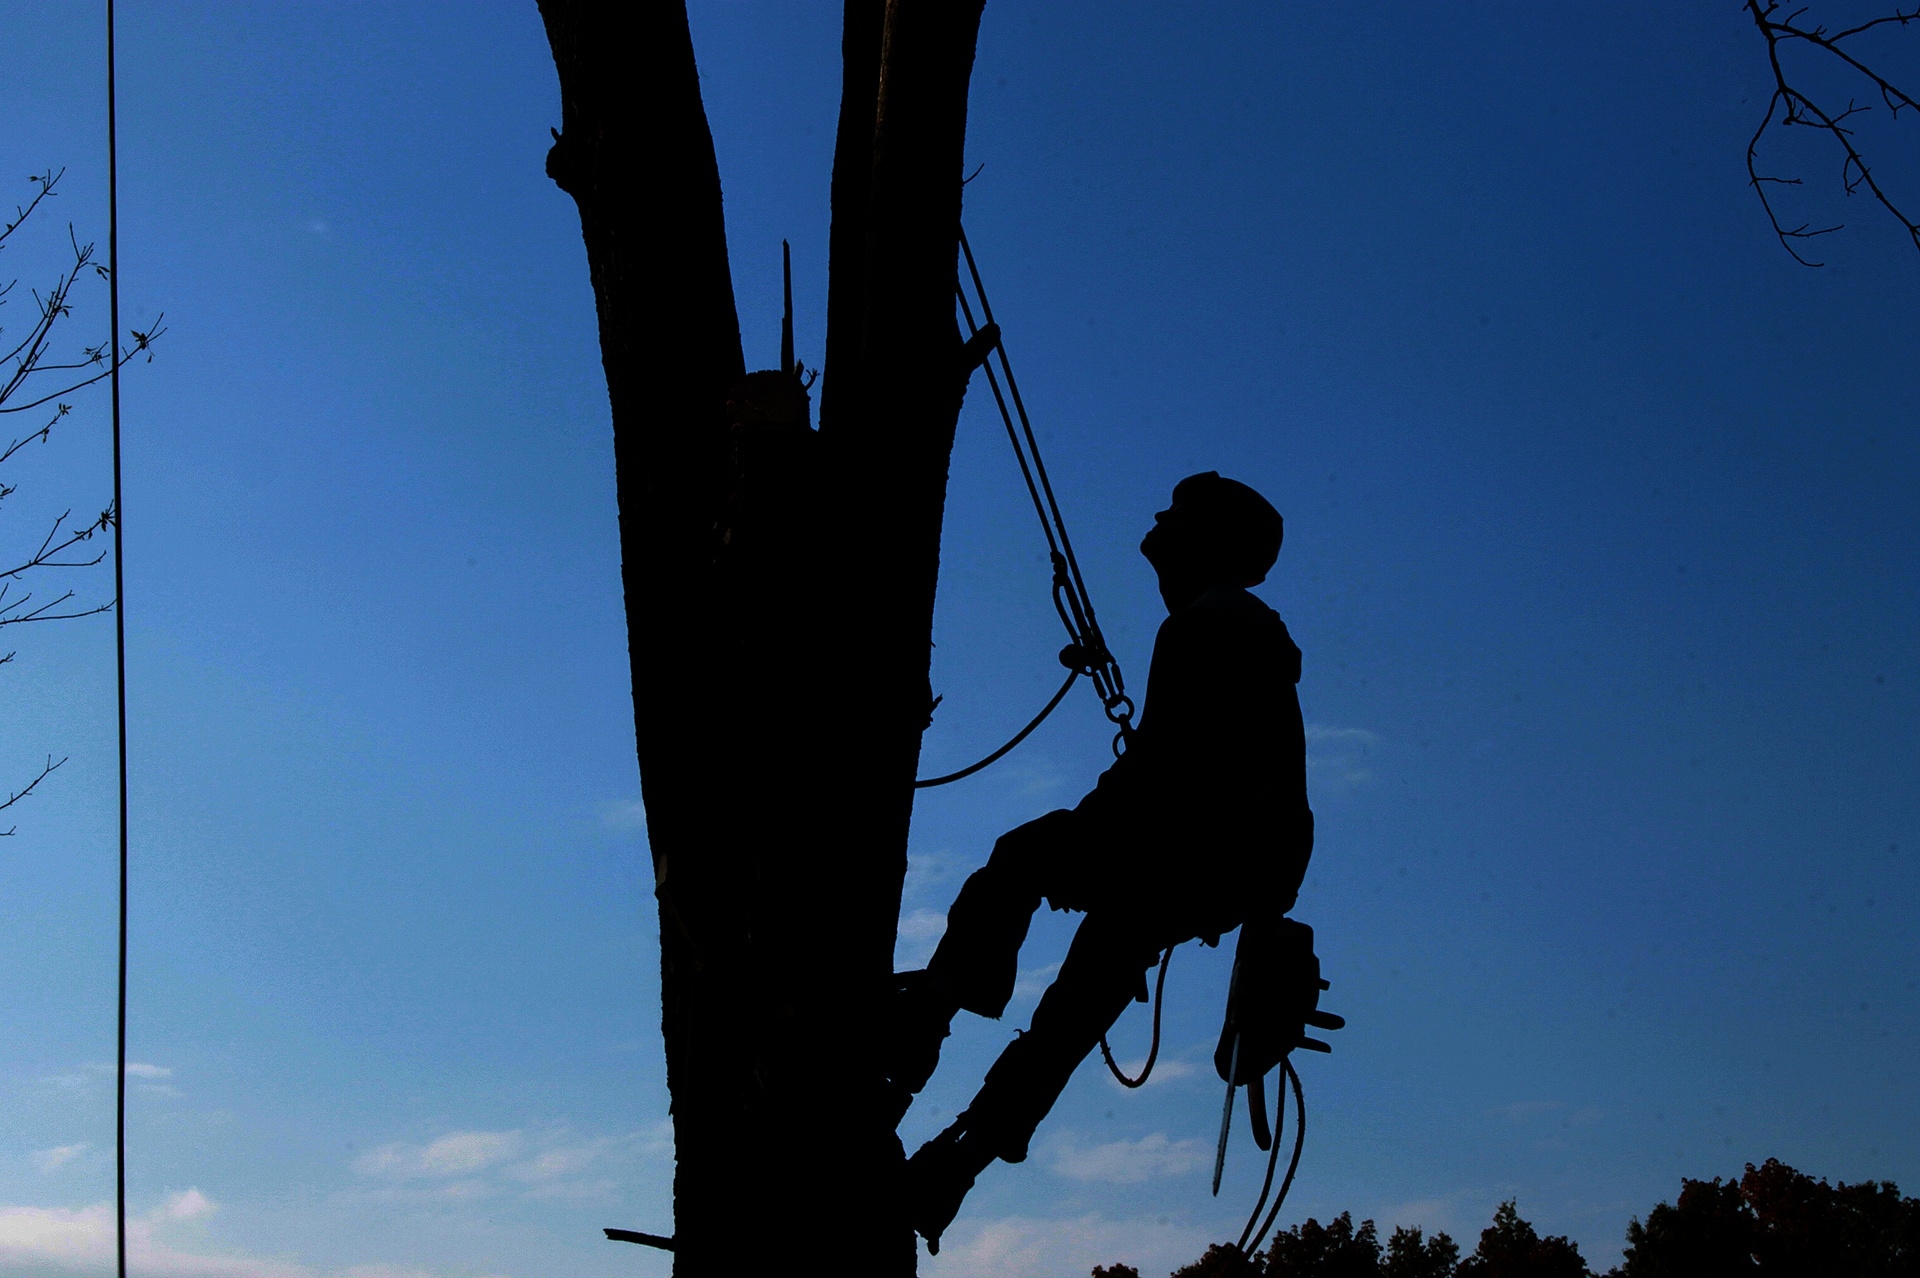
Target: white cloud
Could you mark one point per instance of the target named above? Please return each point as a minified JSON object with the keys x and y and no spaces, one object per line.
{"x":47,"y":1161}
{"x":37,"y":1240}
{"x":555,"y":1162}
{"x":1334,"y":738}
{"x":557,"y":1171}
{"x":76,"y":1239}
{"x":1033,"y":981}
{"x":1021,"y":1247}
{"x":455,"y":1154}
{"x":928,"y":869}
{"x":919,"y":932}
{"x":190,"y":1205}
{"x":1164,"y":1071}
{"x":135,"y":1069}
{"x":546,"y":1162}
{"x":1129,"y":1162}
{"x":1039,"y":777}
{"x":629,"y":816}
{"x":1338,"y":758}
{"x":87,"y":1076}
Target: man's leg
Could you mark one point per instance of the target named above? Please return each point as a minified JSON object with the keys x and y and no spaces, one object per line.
{"x":977,"y":960}
{"x":1101,"y":975}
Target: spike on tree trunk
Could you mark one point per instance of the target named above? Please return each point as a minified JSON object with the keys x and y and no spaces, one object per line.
{"x":779,"y":587}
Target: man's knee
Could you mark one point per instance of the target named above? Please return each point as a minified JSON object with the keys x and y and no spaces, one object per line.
{"x":1029,"y":851}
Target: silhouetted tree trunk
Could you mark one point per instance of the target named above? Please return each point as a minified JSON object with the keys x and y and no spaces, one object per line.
{"x":779,"y":586}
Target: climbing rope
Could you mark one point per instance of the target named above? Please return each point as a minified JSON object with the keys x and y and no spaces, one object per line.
{"x":1289,"y":1075}
{"x":1018,"y":737}
{"x":1086,"y":652}
{"x":1153,"y":1050}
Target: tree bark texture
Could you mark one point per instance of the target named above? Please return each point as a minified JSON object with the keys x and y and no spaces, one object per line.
{"x":779,"y":587}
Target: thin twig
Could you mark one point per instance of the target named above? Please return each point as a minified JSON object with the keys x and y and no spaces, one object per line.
{"x":46,"y":181}
{"x":28,"y":373}
{"x":45,"y":772}
{"x":50,"y":550}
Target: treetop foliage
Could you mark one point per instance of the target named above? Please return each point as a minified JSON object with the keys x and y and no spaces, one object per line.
{"x":1772,"y":1222}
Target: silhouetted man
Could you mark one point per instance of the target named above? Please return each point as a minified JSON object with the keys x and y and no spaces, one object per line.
{"x":1201,"y":827}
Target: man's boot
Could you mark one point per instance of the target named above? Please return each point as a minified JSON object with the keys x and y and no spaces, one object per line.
{"x":920,"y":1020}
{"x":939,"y":1177}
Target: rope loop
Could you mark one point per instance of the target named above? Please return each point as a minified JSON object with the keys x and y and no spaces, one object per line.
{"x":1017,"y":738}
{"x":1289,"y":1075}
{"x":1153,"y":1049}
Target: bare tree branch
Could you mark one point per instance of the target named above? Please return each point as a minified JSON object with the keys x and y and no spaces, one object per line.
{"x":46,"y":182}
{"x":48,"y":555}
{"x":1794,"y":106}
{"x":45,"y":772}
{"x":32,"y":376}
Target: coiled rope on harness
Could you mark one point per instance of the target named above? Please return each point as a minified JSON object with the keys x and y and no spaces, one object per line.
{"x":1288,"y":1075}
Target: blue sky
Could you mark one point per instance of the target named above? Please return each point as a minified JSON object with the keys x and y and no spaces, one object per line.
{"x":1601,"y":547}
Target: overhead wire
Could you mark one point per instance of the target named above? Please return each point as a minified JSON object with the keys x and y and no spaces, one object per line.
{"x":120,"y":647}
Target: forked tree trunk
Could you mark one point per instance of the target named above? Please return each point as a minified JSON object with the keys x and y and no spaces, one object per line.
{"x":779,"y":589}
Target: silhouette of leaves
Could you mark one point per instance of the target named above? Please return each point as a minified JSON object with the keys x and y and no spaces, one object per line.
{"x":1772,"y":1222}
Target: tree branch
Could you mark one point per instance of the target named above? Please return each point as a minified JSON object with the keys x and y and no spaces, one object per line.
{"x":1799,"y":108}
{"x":45,"y":772}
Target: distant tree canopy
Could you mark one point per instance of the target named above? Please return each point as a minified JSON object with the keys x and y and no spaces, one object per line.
{"x":1773,"y":1222}
{"x":1777,"y":1221}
